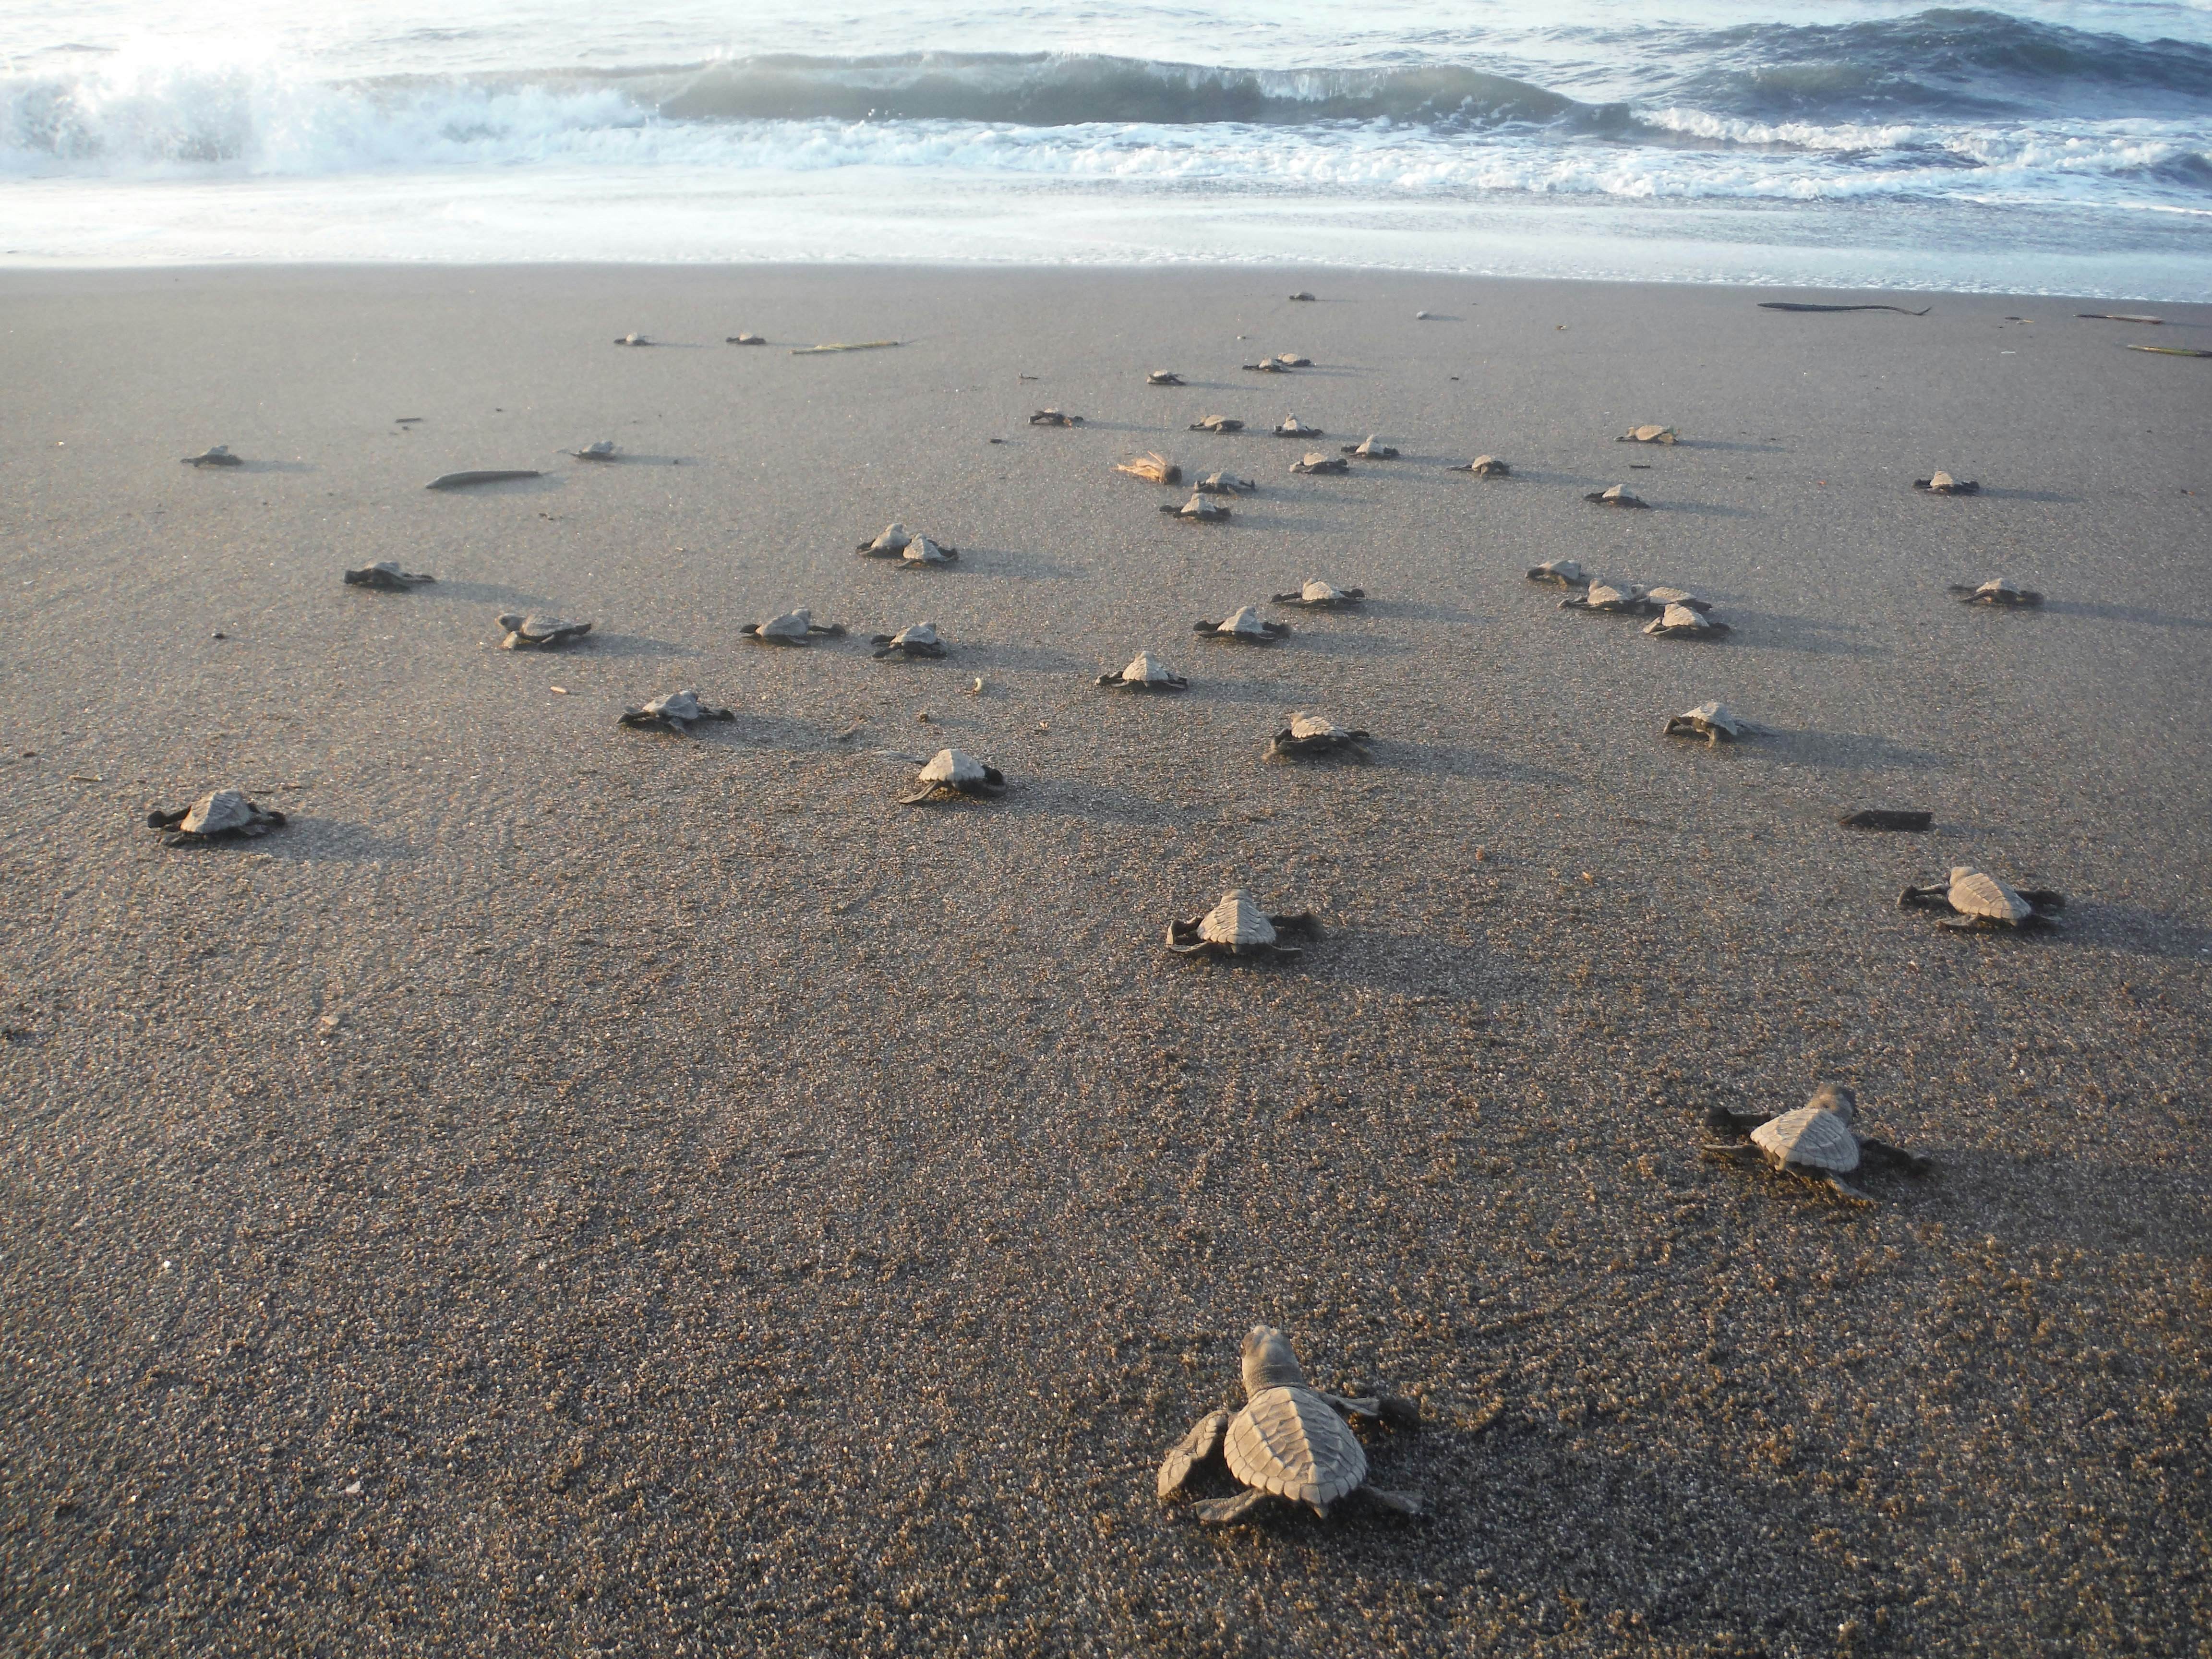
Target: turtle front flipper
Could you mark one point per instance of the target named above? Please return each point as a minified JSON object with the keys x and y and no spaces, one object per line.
{"x":1400,"y":1503}
{"x":1201,"y":1445}
{"x":1932,"y":896}
{"x":1733,"y":1123}
{"x":1227,"y":1511}
{"x":1880,"y":1152}
{"x":1183,"y":940}
{"x":1365,"y":1408}
{"x":1395,"y":1410}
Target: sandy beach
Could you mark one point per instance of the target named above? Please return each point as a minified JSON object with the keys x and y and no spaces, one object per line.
{"x":574,"y":1191}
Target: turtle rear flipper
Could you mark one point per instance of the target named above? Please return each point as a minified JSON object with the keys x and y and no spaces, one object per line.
{"x":1399,"y":1503}
{"x":1841,"y":1187}
{"x":1200,"y":1446}
{"x":1226,"y":1511}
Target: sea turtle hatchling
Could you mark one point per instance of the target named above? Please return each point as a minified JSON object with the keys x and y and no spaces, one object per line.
{"x":1147,"y":673}
{"x":1942,"y":483}
{"x":744,"y":339}
{"x":889,"y":543}
{"x":1292,"y":427}
{"x":632,"y":338}
{"x":534,"y":633}
{"x":602,"y":451}
{"x":1710,"y":721}
{"x":1220,"y":425}
{"x":218,"y":456}
{"x":791,"y":628}
{"x":1560,"y":572}
{"x":1291,"y":1443}
{"x":1224,"y":484}
{"x":674,"y":712}
{"x":1238,"y":927}
{"x":914,"y":643}
{"x":1055,"y":417}
{"x":1487,"y":466}
{"x":386,"y":577}
{"x":1313,"y":737}
{"x":952,"y":772}
{"x":1978,"y":900}
{"x":1617,"y":496}
{"x":1200,"y":510}
{"x":1267,"y":365}
{"x":1246,"y":626}
{"x":1320,"y":596}
{"x":1999,"y":593}
{"x":1647,"y":435}
{"x":1371,"y":448}
{"x":1315,"y":461}
{"x":1303,"y":294}
{"x":219,"y":815}
{"x":1680,"y":622}
{"x":1163,"y":376}
{"x":920,"y":552}
{"x":1616,"y":598}
{"x":1817,"y":1142}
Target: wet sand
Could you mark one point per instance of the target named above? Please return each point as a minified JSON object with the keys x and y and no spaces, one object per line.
{"x":577,"y":1191}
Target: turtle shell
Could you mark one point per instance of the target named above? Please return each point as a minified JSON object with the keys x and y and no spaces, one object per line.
{"x":893,"y":539}
{"x":1609,"y":596}
{"x":1617,"y":496}
{"x":1647,"y":435}
{"x":1162,"y":377}
{"x":920,"y":633}
{"x":1247,"y":619}
{"x":604,"y":450}
{"x":1707,"y":719}
{"x":542,"y":630}
{"x":1288,"y":1440}
{"x":792,"y":625}
{"x":1319,"y":593}
{"x":1678,"y":596}
{"x":1224,"y":484}
{"x":1810,"y":1138}
{"x":1292,"y":427}
{"x":1292,"y":359}
{"x":1315,"y":460}
{"x":1216,"y":423}
{"x":1975,"y":893}
{"x":1679,"y":619}
{"x":1149,"y":670}
{"x":218,"y":812}
{"x":1306,"y":727}
{"x":1563,"y":573}
{"x":1238,"y":923}
{"x":677,"y":706}
{"x":955,"y":769}
{"x":922,"y":551}
{"x":1488,"y":465}
{"x":1371,"y":448}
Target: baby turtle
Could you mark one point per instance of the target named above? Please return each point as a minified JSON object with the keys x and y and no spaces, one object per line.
{"x":1657,"y":598}
{"x":1560,"y":572}
{"x":632,"y":339}
{"x":1246,"y":627}
{"x":1224,"y":484}
{"x":1617,"y":496}
{"x":950,"y":772}
{"x":1998,"y":592}
{"x":1217,"y":424}
{"x":1647,"y":435}
{"x":1154,"y":468}
{"x":602,"y":451}
{"x":792,"y":628}
{"x":1292,"y":359}
{"x":1815,"y":1142}
{"x":1710,"y":721}
{"x":1199,"y":510}
{"x":218,"y":456}
{"x":919,"y":551}
{"x":1315,"y":461}
{"x":1979,"y":901}
{"x":674,"y":713}
{"x":1291,"y":1443}
{"x":1488,"y":467}
{"x":1680,"y":622}
{"x":1238,"y":927}
{"x":744,"y":339}
{"x":534,"y":633}
{"x":1055,"y":417}
{"x":909,"y":644}
{"x":1942,"y":483}
{"x":1292,"y":427}
{"x":1267,"y":365}
{"x":1371,"y":448}
{"x":889,"y":543}
{"x":1301,"y":294}
{"x":1618,"y":598}
{"x":1320,"y":596}
{"x":1163,"y":376}
{"x":384,"y":576}
{"x":1147,"y":673}
{"x":219,"y":815}
{"x":1310,"y":736}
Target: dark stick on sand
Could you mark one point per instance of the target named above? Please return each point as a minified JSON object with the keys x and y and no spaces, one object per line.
{"x":463,"y":480}
{"x":1793,"y":305}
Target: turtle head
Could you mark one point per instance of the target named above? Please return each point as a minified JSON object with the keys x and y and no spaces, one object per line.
{"x":1268,"y":1361}
{"x":511,"y":621}
{"x":1835,"y":1097}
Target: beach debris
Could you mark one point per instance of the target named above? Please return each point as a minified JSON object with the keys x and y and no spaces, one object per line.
{"x":2172,"y":351}
{"x":744,"y":339}
{"x":1618,"y":495}
{"x":1301,"y":294}
{"x":1648,"y":434}
{"x":1318,"y":461}
{"x":1616,"y":599}
{"x":1488,"y":467}
{"x":912,"y":643}
{"x":1999,"y":592}
{"x":920,"y":551}
{"x":1291,"y":1443}
{"x":406,"y":420}
{"x":1816,"y":1143}
{"x":1292,"y":427}
{"x":1559,"y":573}
{"x":889,"y":543}
{"x":1794,"y":305}
{"x":385,"y":576}
{"x":848,"y":345}
{"x":1320,"y":596}
{"x":1219,"y":425}
{"x":950,"y":772}
{"x":1224,"y":484}
{"x":1978,"y":900}
{"x":1710,"y":721}
{"x":536,"y":633}
{"x":1942,"y":483}
{"x":1245,"y":627}
{"x":602,"y":451}
{"x":1371,"y":448}
{"x":1883,"y":818}
{"x":498,"y":474}
{"x":1163,"y":376}
{"x":1682,"y":621}
{"x":2122,"y":317}
{"x":674,"y":712}
{"x":1154,"y":468}
{"x":219,"y":815}
{"x":1199,"y":510}
{"x":1055,"y":417}
{"x":1238,"y":927}
{"x":1315,"y":737}
{"x":791,"y":628}
{"x":1145,"y":673}
{"x":218,"y":456}
{"x":632,"y":339}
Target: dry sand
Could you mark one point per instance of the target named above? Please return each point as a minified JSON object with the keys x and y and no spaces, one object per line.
{"x":575,"y":1190}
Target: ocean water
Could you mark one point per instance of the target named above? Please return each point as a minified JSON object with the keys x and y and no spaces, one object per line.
{"x":2058,"y":146}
